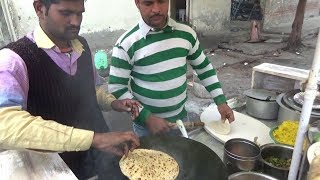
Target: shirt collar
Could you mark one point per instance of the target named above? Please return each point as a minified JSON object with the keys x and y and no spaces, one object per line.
{"x":145,"y":28}
{"x":43,"y":41}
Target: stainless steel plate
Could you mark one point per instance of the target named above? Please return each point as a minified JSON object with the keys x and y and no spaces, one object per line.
{"x":289,"y":101}
{"x":299,"y":98}
{"x":288,"y":113}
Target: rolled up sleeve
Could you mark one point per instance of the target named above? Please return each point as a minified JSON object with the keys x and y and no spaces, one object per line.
{"x":104,"y":99}
{"x":20,"y":130}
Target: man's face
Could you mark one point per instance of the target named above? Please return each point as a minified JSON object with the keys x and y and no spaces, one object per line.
{"x":62,"y":20}
{"x":154,"y":12}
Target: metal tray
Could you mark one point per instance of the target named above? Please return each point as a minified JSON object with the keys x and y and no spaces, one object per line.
{"x":288,"y":100}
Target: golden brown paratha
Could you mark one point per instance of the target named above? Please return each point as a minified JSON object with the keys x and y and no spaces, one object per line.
{"x":146,"y":164}
{"x":314,"y":173}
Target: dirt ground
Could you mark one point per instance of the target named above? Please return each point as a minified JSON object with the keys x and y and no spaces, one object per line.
{"x":234,"y":62}
{"x":234,"y":59}
{"x":236,"y":77}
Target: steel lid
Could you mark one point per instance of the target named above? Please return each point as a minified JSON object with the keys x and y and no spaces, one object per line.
{"x":299,"y":98}
{"x":261,"y":94}
{"x":288,"y":99}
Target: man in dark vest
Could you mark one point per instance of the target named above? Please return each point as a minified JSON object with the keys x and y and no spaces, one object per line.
{"x":48,"y":99}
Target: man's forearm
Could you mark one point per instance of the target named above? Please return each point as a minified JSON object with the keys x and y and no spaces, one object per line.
{"x":20,"y":130}
{"x":104,"y":99}
{"x":206,"y":73}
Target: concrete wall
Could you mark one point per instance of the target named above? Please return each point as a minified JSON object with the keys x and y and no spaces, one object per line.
{"x":209,"y":15}
{"x":279,"y":12}
{"x":4,"y":33}
{"x":103,"y":22}
{"x":23,"y":16}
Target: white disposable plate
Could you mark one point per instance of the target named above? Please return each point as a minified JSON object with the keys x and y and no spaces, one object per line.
{"x":313,"y":151}
{"x":244,"y":126}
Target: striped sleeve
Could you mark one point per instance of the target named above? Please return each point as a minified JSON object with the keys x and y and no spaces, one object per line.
{"x":120,"y":72}
{"x":206,"y":73}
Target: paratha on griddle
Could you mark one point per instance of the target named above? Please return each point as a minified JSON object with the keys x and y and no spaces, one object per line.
{"x":146,"y":164}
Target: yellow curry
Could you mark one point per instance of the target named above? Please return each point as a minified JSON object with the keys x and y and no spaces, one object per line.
{"x":286,"y":133}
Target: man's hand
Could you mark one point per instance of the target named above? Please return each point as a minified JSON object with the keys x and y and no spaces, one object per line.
{"x":118,"y":143}
{"x":226,"y":112}
{"x":127,"y":105}
{"x":157,"y":125}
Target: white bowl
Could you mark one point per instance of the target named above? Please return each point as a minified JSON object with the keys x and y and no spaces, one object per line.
{"x":313,"y":151}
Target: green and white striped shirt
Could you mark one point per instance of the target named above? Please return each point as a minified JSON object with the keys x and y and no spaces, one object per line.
{"x":154,"y":64}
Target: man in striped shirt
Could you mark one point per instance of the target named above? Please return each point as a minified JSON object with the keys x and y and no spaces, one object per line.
{"x":152,"y":58}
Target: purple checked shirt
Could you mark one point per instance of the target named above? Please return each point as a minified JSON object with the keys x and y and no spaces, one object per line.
{"x":14,"y":82}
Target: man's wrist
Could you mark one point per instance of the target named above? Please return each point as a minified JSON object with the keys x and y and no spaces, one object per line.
{"x":80,"y":140}
{"x":221,"y":99}
{"x":112,"y":104}
{"x":143,"y":116}
{"x":95,"y":140}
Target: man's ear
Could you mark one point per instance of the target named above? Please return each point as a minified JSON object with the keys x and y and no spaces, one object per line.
{"x":137,"y":3}
{"x":39,"y":8}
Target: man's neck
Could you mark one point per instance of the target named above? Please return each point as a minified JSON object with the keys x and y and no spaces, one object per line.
{"x":61,"y":44}
{"x":160,"y":28}
{"x":66,"y":50}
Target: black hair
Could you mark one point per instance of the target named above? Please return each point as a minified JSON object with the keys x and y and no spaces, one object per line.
{"x":47,"y":3}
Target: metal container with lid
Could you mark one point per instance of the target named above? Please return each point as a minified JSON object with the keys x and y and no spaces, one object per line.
{"x":288,"y":113}
{"x":261,"y":103}
{"x":278,"y":152}
{"x":250,"y":175}
{"x":241,"y":155}
{"x":288,"y":99}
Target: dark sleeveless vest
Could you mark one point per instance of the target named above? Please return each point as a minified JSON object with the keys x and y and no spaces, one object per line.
{"x":66,"y":99}
{"x":54,"y":94}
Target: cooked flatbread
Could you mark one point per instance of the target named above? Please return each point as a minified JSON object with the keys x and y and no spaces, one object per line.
{"x":221,"y":127}
{"x":314,"y":173}
{"x":146,"y":164}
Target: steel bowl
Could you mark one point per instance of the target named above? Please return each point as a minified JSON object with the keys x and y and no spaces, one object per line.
{"x":249,"y":176}
{"x":241,"y":155}
{"x":278,"y":151}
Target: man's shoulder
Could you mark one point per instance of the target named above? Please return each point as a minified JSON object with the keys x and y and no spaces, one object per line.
{"x":21,"y":44}
{"x":185,"y":28}
{"x":10,"y":59}
{"x":129,"y":36}
{"x":81,"y":38}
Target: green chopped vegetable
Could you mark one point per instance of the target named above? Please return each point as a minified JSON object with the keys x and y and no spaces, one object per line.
{"x":316,"y":137}
{"x":279,"y":162}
